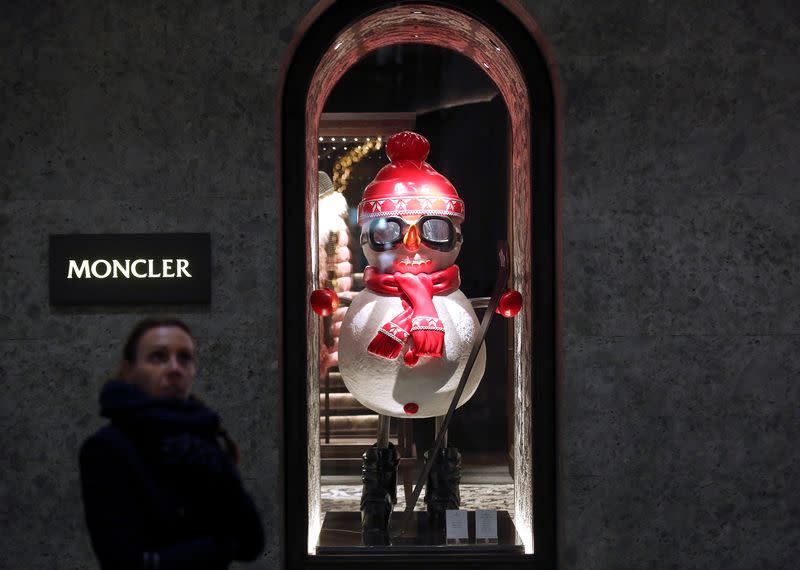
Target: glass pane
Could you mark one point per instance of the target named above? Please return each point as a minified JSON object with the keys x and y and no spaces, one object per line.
{"x":453,"y":104}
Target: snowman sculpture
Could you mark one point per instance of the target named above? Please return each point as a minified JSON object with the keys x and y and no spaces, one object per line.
{"x":406,"y":338}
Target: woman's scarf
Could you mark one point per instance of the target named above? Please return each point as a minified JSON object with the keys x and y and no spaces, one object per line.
{"x":129,"y":406}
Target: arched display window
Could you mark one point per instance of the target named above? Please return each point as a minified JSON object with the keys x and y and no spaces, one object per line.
{"x":493,"y":132}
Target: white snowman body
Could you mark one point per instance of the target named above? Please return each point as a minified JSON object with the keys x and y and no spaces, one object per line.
{"x":388,"y":386}
{"x":410,"y":218}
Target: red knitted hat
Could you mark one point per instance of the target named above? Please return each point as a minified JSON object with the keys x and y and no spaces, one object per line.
{"x":408,"y":185}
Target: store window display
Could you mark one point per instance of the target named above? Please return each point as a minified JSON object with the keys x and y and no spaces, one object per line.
{"x":370,"y":73}
{"x":406,"y":340}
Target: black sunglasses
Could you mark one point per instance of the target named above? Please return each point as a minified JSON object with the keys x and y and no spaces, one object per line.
{"x":436,"y":232}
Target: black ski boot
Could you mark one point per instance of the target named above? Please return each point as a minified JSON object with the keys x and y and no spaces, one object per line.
{"x":379,"y":493}
{"x":441,"y":490}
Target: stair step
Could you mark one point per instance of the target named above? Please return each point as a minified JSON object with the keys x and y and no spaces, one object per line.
{"x":344,"y":466}
{"x":335,"y":382}
{"x":348,"y":450}
{"x":342,"y":403}
{"x":362,"y":424}
{"x":343,"y":450}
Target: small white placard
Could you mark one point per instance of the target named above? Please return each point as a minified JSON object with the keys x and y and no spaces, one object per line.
{"x":457,"y":525}
{"x":485,"y":525}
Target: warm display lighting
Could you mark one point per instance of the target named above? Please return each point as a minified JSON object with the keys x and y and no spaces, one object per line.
{"x":451,"y":30}
{"x":314,"y":526}
{"x":343,"y":166}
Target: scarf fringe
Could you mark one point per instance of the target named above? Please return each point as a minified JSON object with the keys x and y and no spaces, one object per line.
{"x":384,"y":346}
{"x":428,"y":343}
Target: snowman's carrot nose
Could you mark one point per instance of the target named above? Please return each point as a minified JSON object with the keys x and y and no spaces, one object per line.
{"x":411,"y":239}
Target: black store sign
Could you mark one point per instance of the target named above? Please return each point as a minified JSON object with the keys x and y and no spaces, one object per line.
{"x":113,"y":269}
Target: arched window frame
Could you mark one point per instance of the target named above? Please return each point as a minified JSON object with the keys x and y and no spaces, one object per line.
{"x":326,"y":45}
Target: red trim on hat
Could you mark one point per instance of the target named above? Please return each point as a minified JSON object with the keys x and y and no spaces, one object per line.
{"x":429,"y":205}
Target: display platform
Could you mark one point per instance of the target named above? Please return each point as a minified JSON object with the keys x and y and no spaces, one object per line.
{"x":341,"y":534}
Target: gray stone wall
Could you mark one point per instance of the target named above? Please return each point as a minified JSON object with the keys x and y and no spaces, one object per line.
{"x":134,"y":117}
{"x":681,"y":282}
{"x":681,"y":259}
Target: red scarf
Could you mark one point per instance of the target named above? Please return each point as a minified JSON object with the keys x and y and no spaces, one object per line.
{"x":419,"y":318}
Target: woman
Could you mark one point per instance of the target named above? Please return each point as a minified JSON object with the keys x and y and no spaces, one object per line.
{"x":160,"y":488}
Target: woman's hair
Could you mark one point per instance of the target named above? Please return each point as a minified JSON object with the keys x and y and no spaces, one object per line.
{"x":231,"y":447}
{"x":228,"y":444}
{"x":132,"y":343}
{"x":131,"y":348}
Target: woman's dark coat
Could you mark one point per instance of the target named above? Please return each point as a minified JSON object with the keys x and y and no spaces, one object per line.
{"x":159,"y":493}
